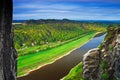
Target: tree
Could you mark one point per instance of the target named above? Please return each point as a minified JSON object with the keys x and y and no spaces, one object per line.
{"x":8,"y":54}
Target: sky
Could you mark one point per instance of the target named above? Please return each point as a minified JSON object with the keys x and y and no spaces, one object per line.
{"x":70,"y":9}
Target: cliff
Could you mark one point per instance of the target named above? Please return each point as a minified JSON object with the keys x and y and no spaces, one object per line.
{"x":8,"y":55}
{"x":103,"y":63}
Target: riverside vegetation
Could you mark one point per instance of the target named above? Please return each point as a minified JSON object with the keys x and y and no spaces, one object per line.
{"x":40,"y":42}
{"x":101,"y":63}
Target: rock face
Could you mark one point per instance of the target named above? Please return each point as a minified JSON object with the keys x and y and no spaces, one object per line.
{"x":8,"y":55}
{"x":116,"y":57}
{"x":91,"y":64}
{"x":104,"y":63}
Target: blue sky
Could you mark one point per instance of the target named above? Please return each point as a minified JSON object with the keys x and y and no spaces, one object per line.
{"x":70,"y":9}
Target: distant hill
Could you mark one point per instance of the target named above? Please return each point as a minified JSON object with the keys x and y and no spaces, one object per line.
{"x":44,"y":21}
{"x":19,"y":21}
{"x":41,"y":21}
{"x":102,"y":21}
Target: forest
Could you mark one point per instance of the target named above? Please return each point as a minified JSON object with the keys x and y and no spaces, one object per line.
{"x":39,"y":41}
{"x":50,"y":33}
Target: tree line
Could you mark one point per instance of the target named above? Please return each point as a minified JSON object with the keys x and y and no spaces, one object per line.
{"x":39,"y":34}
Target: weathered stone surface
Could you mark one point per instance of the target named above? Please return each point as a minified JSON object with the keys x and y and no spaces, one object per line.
{"x":91,"y":61}
{"x":116,"y":56}
{"x":109,"y":53}
{"x":8,"y":55}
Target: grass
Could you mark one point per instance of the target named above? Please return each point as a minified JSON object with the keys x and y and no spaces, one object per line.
{"x":32,"y":61}
{"x":33,"y":49}
{"x":75,"y":73}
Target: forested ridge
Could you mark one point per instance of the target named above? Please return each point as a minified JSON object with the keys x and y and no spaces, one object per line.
{"x":45,"y":41}
{"x":50,"y":33}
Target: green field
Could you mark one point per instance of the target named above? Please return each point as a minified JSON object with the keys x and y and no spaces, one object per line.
{"x":75,"y":73}
{"x":32,"y":61}
{"x":42,"y":42}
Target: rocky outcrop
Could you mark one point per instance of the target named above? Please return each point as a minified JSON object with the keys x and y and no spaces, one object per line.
{"x":116,"y":58}
{"x":91,"y":64}
{"x":104,"y":63}
{"x":8,"y":55}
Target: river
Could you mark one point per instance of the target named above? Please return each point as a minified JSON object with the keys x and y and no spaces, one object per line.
{"x":61,"y":67}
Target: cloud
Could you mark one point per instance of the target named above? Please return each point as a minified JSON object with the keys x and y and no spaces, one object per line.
{"x":72,"y":10}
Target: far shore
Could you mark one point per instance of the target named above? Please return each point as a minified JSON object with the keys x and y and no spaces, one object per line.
{"x":98,"y":33}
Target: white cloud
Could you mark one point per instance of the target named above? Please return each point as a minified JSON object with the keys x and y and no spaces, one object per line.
{"x":62,"y":10}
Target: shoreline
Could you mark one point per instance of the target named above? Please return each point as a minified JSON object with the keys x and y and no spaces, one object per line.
{"x":58,"y":57}
{"x":97,"y":35}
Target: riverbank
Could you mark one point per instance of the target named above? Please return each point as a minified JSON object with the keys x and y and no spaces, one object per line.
{"x":96,"y":63}
{"x":43,"y":58}
{"x":34,"y":49}
{"x":76,"y":72}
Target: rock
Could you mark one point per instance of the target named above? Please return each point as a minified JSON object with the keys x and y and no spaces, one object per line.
{"x":116,"y":53}
{"x":91,"y":61}
{"x":105,"y":60}
{"x":118,"y":39}
{"x":8,"y":54}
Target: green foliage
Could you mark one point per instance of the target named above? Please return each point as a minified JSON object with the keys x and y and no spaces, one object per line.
{"x":45,"y":33}
{"x":32,"y":61}
{"x":111,"y":30}
{"x":110,"y":47}
{"x":29,"y":35}
{"x":39,"y":44}
{"x":95,"y":26}
{"x":104,"y":67}
{"x":75,"y":73}
{"x":105,"y":76}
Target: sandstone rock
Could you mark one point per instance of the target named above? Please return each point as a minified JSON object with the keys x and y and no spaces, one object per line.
{"x":91,"y":61}
{"x":116,"y":53}
{"x":108,"y":52}
{"x":8,"y":54}
{"x":118,"y":39}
